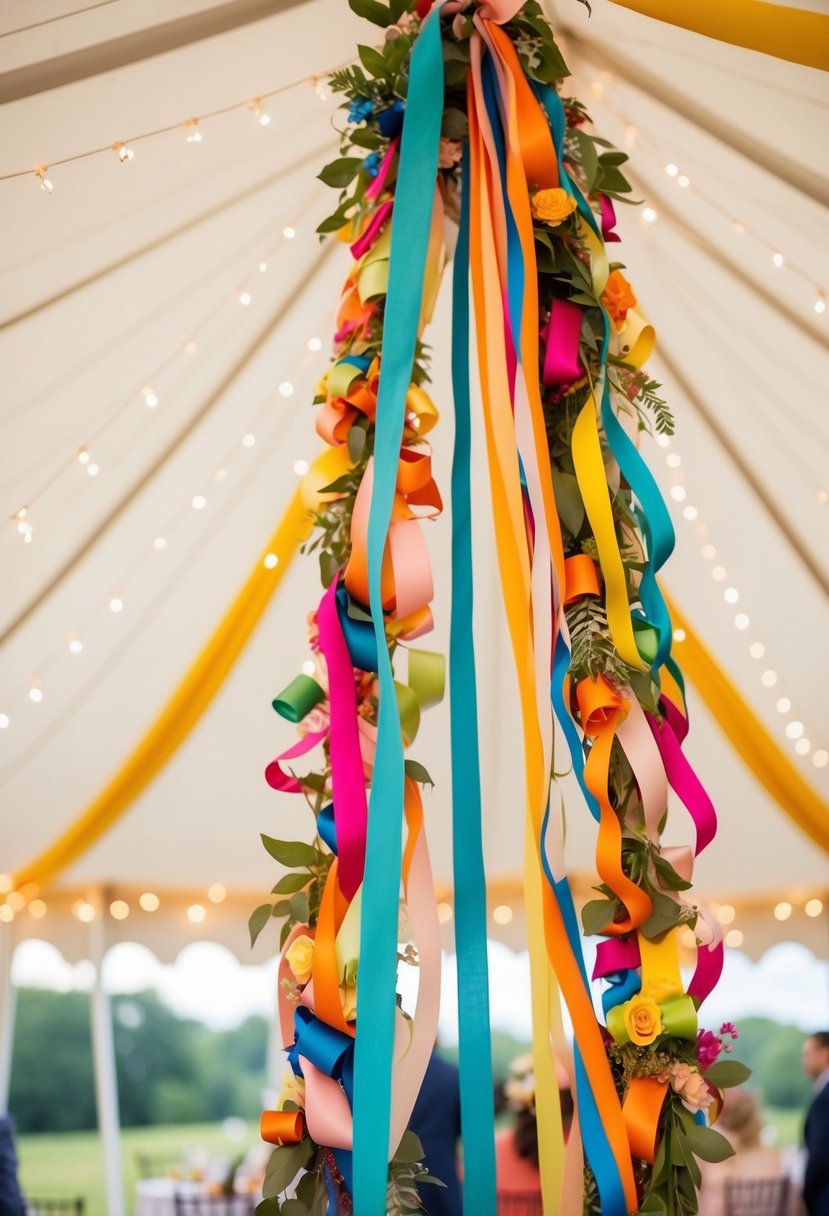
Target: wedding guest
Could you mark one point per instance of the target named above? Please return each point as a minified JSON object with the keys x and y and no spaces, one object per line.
{"x":742,"y":1125}
{"x":816,"y":1131}
{"x":11,"y":1200}
{"x":518,"y":1178}
{"x":436,"y":1120}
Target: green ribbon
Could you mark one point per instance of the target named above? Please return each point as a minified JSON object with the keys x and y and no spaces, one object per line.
{"x":427,"y":676}
{"x":408,"y":707}
{"x":373,"y":275}
{"x":297,"y":700}
{"x":341,"y":376}
{"x":679,"y":1019}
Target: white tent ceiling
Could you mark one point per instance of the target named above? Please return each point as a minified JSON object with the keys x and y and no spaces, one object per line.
{"x":108,"y":278}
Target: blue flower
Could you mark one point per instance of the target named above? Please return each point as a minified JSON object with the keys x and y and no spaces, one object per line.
{"x":360,"y":110}
{"x":390,"y":121}
{"x":371,"y":164}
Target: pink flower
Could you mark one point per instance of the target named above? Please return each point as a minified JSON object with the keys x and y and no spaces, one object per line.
{"x":695,"y":1093}
{"x":708,"y":1049}
{"x":730,"y":1029}
{"x":318,"y":719}
{"x":679,"y":1075}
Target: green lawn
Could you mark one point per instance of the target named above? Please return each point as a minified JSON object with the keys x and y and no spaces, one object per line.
{"x":70,"y":1163}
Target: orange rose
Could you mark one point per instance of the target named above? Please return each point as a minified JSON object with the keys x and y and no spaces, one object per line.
{"x":552,"y":206}
{"x":643,"y":1020}
{"x":618,"y":298}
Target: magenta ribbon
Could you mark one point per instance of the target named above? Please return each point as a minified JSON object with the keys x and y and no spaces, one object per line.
{"x":275,"y":776}
{"x":347,"y":779}
{"x":616,"y":954}
{"x":684,"y":782}
{"x":708,"y":971}
{"x":608,"y":219}
{"x":375,"y":188}
{"x":365,"y":242}
{"x":561,"y":341}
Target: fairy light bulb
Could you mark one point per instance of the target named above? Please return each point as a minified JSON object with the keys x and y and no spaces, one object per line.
{"x":245,"y":298}
{"x":160,"y":543}
{"x":672,"y":170}
{"x":649,"y":215}
{"x":92,"y":469}
{"x":35,"y":694}
{"x":194,"y":135}
{"x":684,"y":181}
{"x":314,"y":344}
{"x":286,"y":389}
{"x":270,"y":561}
{"x":45,"y":183}
{"x":24,"y":528}
{"x":260,"y":113}
{"x":777,"y":258}
{"x":198,"y":502}
{"x":83,"y":456}
{"x":820,"y":758}
{"x":820,"y":303}
{"x":739,"y":227}
{"x":116,"y":604}
{"x":300,"y":467}
{"x":5,"y":721}
{"x":248,"y":441}
{"x":289,"y":233}
{"x":263,"y":267}
{"x":150,"y":396}
{"x":75,"y":646}
{"x":123,"y":153}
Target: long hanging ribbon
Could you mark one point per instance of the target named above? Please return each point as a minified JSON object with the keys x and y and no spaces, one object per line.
{"x":468,"y":864}
{"x":378,"y":947}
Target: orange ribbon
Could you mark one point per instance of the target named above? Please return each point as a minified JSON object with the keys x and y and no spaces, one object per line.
{"x":641,"y":1108}
{"x":282,"y":1126}
{"x":582,"y":577}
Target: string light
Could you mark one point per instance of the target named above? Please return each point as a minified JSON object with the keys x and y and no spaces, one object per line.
{"x":709,"y":552}
{"x":92,"y":469}
{"x":116,"y":604}
{"x":314,"y":344}
{"x":6,"y":913}
{"x":718,"y":573}
{"x":119,"y":909}
{"x":672,"y":169}
{"x":286,"y":389}
{"x":300,"y":467}
{"x":741,"y":621}
{"x":683,"y":180}
{"x":502,"y":915}
{"x":783,"y":910}
{"x":769,"y":678}
{"x":738,"y":226}
{"x":794,"y":730}
{"x":5,"y":721}
{"x":259,"y":112}
{"x":248,"y":441}
{"x":734,"y":938}
{"x":820,"y":303}
{"x":45,"y":183}
{"x":649,"y":215}
{"x":813,"y":907}
{"x":777,"y":258}
{"x":270,"y":561}
{"x":309,"y":667}
{"x":678,"y":493}
{"x":803,"y":747}
{"x":123,"y":153}
{"x":160,"y":543}
{"x":150,"y":396}
{"x":821,"y":758}
{"x":444,"y":913}
{"x":37,"y":909}
{"x":731,"y":595}
{"x":35,"y":694}
{"x":198,"y":502}
{"x":673,"y":460}
{"x":245,"y":298}
{"x":84,"y":911}
{"x":289,"y":233}
{"x":784,"y":705}
{"x":679,"y":635}
{"x":149,"y":902}
{"x":83,"y":456}
{"x":216,"y":893}
{"x":24,"y":528}
{"x":196,"y":913}
{"x":190,"y":347}
{"x":757,"y":650}
{"x":75,"y":646}
{"x":194,"y":135}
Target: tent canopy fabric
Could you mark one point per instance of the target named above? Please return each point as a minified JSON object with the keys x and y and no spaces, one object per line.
{"x":160,"y":322}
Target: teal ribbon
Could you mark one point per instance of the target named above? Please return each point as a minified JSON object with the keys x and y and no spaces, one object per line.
{"x":475,"y":1048}
{"x":378,"y":923}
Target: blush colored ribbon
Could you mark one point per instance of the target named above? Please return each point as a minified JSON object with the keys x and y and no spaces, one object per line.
{"x":561,"y":343}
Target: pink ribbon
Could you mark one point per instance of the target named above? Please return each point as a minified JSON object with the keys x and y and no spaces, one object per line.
{"x":277,"y":778}
{"x":707,"y":974}
{"x":561,"y":342}
{"x":365,"y":242}
{"x":375,"y":188}
{"x":608,"y":219}
{"x":347,"y":780}
{"x":685,"y":783}
{"x":616,"y":954}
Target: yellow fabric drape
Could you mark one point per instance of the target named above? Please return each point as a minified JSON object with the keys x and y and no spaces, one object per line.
{"x":184,"y":708}
{"x":787,"y":33}
{"x":752,"y":741}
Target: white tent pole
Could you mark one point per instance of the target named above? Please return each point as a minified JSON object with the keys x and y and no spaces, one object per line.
{"x":8,"y":1007}
{"x":275,"y":1058}
{"x":103,"y":1054}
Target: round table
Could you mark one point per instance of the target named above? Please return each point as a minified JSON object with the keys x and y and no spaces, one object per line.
{"x":156,"y":1197}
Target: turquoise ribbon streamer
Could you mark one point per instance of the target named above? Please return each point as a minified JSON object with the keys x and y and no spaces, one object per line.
{"x":470,"y":881}
{"x":378,"y":923}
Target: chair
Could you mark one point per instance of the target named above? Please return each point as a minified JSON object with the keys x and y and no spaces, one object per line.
{"x":157,"y":1165}
{"x":756,"y":1196}
{"x":216,"y":1205}
{"x":54,"y":1207}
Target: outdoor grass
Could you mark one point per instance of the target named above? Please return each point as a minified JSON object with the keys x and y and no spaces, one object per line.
{"x":70,"y":1163}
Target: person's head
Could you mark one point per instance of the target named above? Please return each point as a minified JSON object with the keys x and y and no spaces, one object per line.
{"x":815,"y":1054}
{"x":740,"y":1118}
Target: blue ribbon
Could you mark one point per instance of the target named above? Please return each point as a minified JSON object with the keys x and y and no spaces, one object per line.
{"x":326,"y":827}
{"x":358,"y":634}
{"x":475,"y":1048}
{"x":417,"y":174}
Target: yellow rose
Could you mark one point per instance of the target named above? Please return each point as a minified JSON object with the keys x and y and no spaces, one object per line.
{"x":552,"y":206}
{"x":299,"y":956}
{"x":293,"y":1090}
{"x":348,"y":999}
{"x":643,"y":1020}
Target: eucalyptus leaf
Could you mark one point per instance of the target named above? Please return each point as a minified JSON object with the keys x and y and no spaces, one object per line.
{"x":293,"y":1207}
{"x":725,"y":1073}
{"x":291,"y":852}
{"x":568,"y":500}
{"x":340,"y":172}
{"x":300,"y":907}
{"x":284,"y":1165}
{"x":708,"y":1144}
{"x":289,"y":883}
{"x":365,"y":137}
{"x":409,"y":1149}
{"x":258,"y":919}
{"x":653,"y":1203}
{"x":417,"y":772}
{"x":268,"y":1207}
{"x":372,"y":60}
